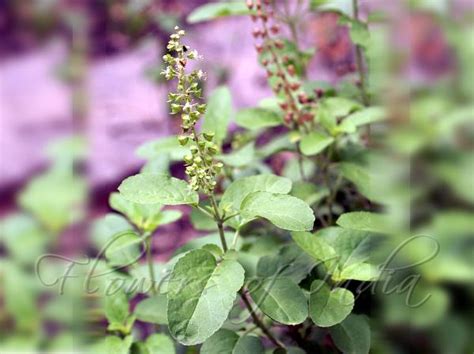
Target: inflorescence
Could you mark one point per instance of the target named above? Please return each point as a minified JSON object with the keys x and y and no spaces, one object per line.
{"x":297,"y":106}
{"x":201,"y":166}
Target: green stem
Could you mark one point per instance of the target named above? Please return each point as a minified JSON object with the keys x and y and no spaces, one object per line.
{"x":242,"y":292}
{"x":151,"y":268}
{"x":360,"y":60}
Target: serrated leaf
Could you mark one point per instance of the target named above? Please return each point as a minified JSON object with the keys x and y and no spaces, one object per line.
{"x":328,"y":307}
{"x":201,"y":294}
{"x":154,"y":188}
{"x":218,"y":113}
{"x":215,"y":10}
{"x":241,"y":188}
{"x":317,"y":248}
{"x":314,"y":143}
{"x":352,"y":336}
{"x":160,"y":343}
{"x":257,"y":118}
{"x":280,"y":299}
{"x":283,"y":211}
{"x":153,"y":310}
{"x":365,"y":221}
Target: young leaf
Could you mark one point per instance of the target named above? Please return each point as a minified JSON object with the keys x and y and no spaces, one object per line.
{"x":257,"y":118}
{"x":284,"y":211}
{"x":241,"y":188}
{"x":153,"y":310}
{"x":280,"y":299}
{"x":117,"y":345}
{"x":328,"y":307}
{"x":200,"y":295}
{"x":352,"y":336}
{"x":317,"y":248}
{"x":314,"y":143}
{"x":152,"y":189}
{"x":215,"y":10}
{"x":365,"y":116}
{"x":160,"y":343}
{"x":360,"y":33}
{"x":358,"y":271}
{"x":123,"y":249}
{"x":116,"y":307}
{"x":218,"y":113}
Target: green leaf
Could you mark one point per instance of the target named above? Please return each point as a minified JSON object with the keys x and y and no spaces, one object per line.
{"x":239,"y":158}
{"x":227,"y":341}
{"x":257,"y":118}
{"x":289,"y":262}
{"x":160,"y":343}
{"x":328,"y":307}
{"x":146,"y":217}
{"x":124,"y":249}
{"x":168,"y":146}
{"x":358,"y":271}
{"x":223,"y":341}
{"x":360,"y":176}
{"x":218,"y":113}
{"x":116,"y":307}
{"x":283,"y":211}
{"x":317,"y":248}
{"x":339,"y":106}
{"x":365,"y":116}
{"x":352,"y":336}
{"x":215,"y":10}
{"x":117,"y":345}
{"x":153,"y":310}
{"x":241,"y":188}
{"x":153,"y":189}
{"x":201,"y":294}
{"x":55,"y":199}
{"x":105,"y":228}
{"x":202,"y":221}
{"x":365,"y":221}
{"x":359,"y":33}
{"x":314,"y":143}
{"x":248,"y":345}
{"x":280,"y":299}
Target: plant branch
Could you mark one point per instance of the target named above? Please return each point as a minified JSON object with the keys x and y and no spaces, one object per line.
{"x":257,"y":320}
{"x":360,"y":60}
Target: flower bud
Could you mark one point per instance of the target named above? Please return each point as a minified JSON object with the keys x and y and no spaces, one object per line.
{"x":208,"y":136}
{"x":284,"y":106}
{"x":275,"y":29}
{"x":183,"y":140}
{"x":319,"y":92}
{"x":249,"y":4}
{"x":303,"y":98}
{"x":288,"y":118}
{"x":291,"y":70}
{"x":279,"y":44}
{"x":259,"y":48}
{"x":188,"y":159}
{"x":265,"y":62}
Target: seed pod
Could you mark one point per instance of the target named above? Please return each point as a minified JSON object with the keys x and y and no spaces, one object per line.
{"x":303,"y":98}
{"x":295,"y":86}
{"x":188,"y":159}
{"x":289,"y":118}
{"x":275,"y":29}
{"x":291,"y":70}
{"x":284,"y":106}
{"x":319,"y":92}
